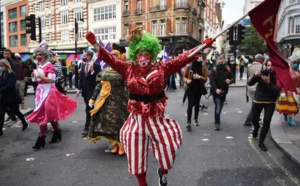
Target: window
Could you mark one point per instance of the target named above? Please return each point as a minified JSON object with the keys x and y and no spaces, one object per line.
{"x":43,"y":21}
{"x":297,"y":24}
{"x":12,"y":13}
{"x":78,"y":13}
{"x":50,"y":20}
{"x":23,"y":39}
{"x":13,"y":27}
{"x":162,"y":27}
{"x":105,"y":33}
{"x":64,"y":17}
{"x":177,"y":26}
{"x":44,"y":36}
{"x":13,"y":41}
{"x":126,"y":28}
{"x":42,"y":6}
{"x":105,"y":13}
{"x":65,"y":36}
{"x":139,"y":5}
{"x":80,"y":33}
{"x":163,"y":3}
{"x":64,"y":2}
{"x":23,"y":11}
{"x":291,"y":25}
{"x":23,"y":24}
{"x":154,"y":28}
{"x":126,"y":8}
{"x":183,"y":26}
{"x":77,"y":1}
{"x":50,"y":37}
{"x":140,"y":25}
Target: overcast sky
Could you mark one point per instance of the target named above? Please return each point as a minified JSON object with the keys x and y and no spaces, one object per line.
{"x":232,"y":10}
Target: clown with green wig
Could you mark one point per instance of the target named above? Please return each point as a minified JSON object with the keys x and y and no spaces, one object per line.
{"x":146,"y":80}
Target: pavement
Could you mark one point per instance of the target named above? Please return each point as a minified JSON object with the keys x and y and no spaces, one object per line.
{"x":285,"y":137}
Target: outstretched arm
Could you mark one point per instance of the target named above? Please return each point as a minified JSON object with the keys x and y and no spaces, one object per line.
{"x":118,"y":65}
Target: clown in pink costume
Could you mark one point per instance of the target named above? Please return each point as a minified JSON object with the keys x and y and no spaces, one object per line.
{"x":50,"y":104}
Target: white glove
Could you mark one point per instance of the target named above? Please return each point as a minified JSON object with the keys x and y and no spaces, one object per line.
{"x":282,"y":95}
{"x":91,"y":105}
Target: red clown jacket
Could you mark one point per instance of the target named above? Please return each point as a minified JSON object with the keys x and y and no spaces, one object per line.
{"x":151,"y":84}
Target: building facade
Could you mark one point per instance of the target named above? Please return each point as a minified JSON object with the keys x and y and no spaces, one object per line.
{"x":178,"y":24}
{"x":105,"y":19}
{"x":288,"y":35}
{"x":13,"y":28}
{"x":58,"y":23}
{"x":249,"y":4}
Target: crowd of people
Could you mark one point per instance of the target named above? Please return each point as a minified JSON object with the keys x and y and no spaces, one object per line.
{"x":125,"y":102}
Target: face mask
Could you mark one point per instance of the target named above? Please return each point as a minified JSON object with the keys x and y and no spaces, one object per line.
{"x":143,"y":60}
{"x":39,"y":58}
{"x":295,"y":66}
{"x":266,"y":57}
{"x":2,"y":69}
{"x":84,"y":59}
{"x":220,"y":66}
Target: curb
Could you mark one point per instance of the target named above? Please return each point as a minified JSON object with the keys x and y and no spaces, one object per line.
{"x":282,"y":141}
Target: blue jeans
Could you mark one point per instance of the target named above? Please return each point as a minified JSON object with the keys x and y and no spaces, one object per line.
{"x":219,"y":100}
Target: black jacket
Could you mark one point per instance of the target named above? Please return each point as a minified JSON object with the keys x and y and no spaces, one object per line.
{"x":8,"y":90}
{"x":265,"y":92}
{"x":218,"y":79}
{"x":87,"y":83}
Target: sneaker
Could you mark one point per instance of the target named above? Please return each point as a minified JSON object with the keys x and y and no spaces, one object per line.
{"x":217,"y":126}
{"x":25,"y":127}
{"x":162,"y":178}
{"x":196,"y":123}
{"x":7,"y":119}
{"x":189,"y":126}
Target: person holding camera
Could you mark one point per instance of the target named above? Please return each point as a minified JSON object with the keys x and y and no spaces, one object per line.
{"x":265,"y":97}
{"x":220,"y":78}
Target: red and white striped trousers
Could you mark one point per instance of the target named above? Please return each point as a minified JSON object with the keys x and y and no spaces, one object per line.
{"x":163,"y":133}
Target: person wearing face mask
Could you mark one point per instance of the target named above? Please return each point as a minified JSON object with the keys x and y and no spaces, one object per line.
{"x":195,"y":89}
{"x":110,"y":111}
{"x":87,"y":84}
{"x":220,"y":78}
{"x":20,"y":73}
{"x":50,"y":105}
{"x":9,"y":97}
{"x":59,"y":77}
{"x":265,"y":98}
{"x":146,"y":80}
{"x":288,"y":101}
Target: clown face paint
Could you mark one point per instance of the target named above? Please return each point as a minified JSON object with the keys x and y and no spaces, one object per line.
{"x":143,"y":60}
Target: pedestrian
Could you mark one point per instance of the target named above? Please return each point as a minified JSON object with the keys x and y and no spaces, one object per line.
{"x":8,"y":56}
{"x":29,"y":67}
{"x":9,"y":97}
{"x":110,"y":111}
{"x":72,"y":73}
{"x":87,"y":84}
{"x":195,"y":89}
{"x":59,"y":77}
{"x":232,"y":65}
{"x":242,"y":67}
{"x":265,"y":98}
{"x":288,"y":101}
{"x":146,"y":81}
{"x":50,"y":105}
{"x":252,"y":69}
{"x":20,"y":74}
{"x":220,"y":78}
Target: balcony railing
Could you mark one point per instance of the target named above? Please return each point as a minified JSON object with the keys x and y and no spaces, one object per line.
{"x":194,"y":11}
{"x":126,"y":13}
{"x":185,"y":5}
{"x":158,"y":8}
{"x":139,"y":11}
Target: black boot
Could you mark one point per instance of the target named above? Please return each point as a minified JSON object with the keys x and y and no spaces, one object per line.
{"x":40,"y":143}
{"x":56,"y":136}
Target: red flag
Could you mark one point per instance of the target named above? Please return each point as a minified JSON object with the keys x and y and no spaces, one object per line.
{"x":263,"y":18}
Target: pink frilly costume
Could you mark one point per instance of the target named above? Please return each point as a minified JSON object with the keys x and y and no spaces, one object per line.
{"x":50,"y":104}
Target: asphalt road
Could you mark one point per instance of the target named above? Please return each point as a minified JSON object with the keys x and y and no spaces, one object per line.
{"x":207,"y":157}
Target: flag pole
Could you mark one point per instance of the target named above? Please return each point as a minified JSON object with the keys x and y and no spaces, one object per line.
{"x":202,"y":46}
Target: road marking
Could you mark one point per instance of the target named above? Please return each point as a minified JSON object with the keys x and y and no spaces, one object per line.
{"x":229,"y":137}
{"x":205,"y":139}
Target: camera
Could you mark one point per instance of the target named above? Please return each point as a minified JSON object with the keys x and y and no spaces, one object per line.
{"x":265,"y":72}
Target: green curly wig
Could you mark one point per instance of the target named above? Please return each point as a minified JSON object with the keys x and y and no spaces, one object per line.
{"x":148,"y":43}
